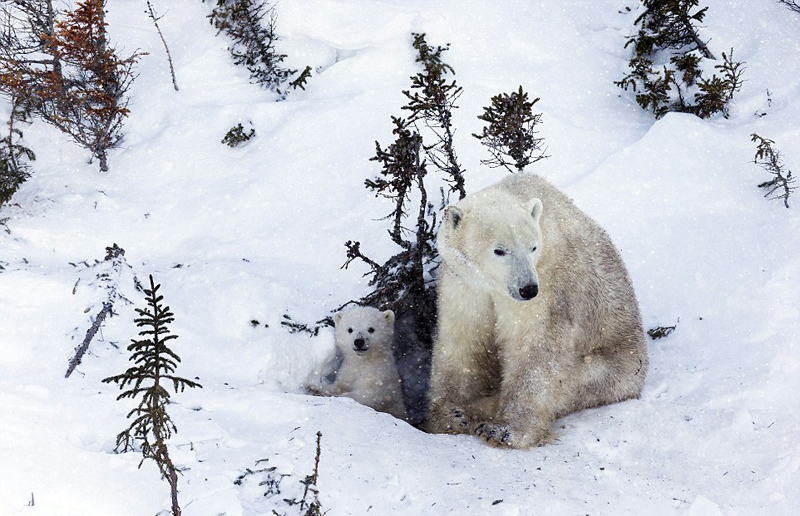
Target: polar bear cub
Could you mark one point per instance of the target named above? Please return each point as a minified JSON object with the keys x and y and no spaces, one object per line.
{"x":537,"y":316}
{"x":364,"y":368}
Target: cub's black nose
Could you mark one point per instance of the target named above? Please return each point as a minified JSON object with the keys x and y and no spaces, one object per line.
{"x":359,"y":344}
{"x":529,"y":291}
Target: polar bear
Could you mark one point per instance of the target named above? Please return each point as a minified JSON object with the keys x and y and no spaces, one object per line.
{"x":537,"y":317}
{"x":364,"y":367}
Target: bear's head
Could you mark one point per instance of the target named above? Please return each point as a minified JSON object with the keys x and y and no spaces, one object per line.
{"x":362,"y":328}
{"x":492,"y":240}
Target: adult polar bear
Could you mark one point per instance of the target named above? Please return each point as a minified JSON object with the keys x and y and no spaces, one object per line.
{"x":537,"y":316}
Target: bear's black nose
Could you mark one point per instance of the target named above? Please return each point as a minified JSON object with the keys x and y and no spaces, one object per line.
{"x":360,"y":344}
{"x":529,"y":291}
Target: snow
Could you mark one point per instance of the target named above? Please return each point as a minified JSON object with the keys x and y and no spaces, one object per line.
{"x":256,"y":232}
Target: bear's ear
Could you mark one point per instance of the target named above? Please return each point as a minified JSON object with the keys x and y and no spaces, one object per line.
{"x":389,"y":315}
{"x":452,"y":217}
{"x":534,"y":207}
{"x":337,"y":317}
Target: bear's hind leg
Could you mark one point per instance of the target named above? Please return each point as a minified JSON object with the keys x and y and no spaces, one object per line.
{"x":610,"y":375}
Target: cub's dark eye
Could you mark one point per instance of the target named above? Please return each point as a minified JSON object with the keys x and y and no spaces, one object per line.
{"x":349,"y":330}
{"x":533,"y":250}
{"x":499,"y":252}
{"x":371,"y":330}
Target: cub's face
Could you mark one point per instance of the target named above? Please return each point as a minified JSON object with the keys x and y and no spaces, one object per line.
{"x":494,"y":243}
{"x":361,"y":329}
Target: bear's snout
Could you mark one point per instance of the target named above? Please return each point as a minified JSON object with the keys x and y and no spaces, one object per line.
{"x":360,"y":344}
{"x":529,"y":291}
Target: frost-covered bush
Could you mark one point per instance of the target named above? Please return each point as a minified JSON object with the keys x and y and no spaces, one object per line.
{"x":669,"y":60}
{"x":251,"y":25}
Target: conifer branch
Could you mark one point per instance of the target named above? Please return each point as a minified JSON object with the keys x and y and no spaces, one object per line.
{"x":791,"y":4}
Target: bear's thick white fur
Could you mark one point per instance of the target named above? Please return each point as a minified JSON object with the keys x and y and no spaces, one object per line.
{"x":537,"y":317}
{"x":364,"y":368}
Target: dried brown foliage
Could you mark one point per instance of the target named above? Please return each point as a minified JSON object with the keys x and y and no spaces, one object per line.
{"x":67,"y":71}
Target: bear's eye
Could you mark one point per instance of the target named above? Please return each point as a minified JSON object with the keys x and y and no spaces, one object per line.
{"x":500,"y":252}
{"x":371,"y":330}
{"x":533,"y":249}
{"x":349,"y":330}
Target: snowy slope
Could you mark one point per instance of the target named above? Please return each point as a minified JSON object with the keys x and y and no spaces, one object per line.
{"x":253,"y":233}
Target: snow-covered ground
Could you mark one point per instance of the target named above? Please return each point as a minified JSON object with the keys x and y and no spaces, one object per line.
{"x":256,"y":232}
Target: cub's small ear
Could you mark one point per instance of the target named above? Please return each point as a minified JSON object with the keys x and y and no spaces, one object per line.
{"x":337,"y":317}
{"x":534,"y":207}
{"x":452,"y":216}
{"x":389,"y":315}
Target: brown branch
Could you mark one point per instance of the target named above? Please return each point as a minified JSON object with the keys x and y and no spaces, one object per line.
{"x":152,"y":14}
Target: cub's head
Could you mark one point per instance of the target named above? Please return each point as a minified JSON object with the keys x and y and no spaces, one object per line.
{"x":492,"y":240}
{"x":362,"y":328}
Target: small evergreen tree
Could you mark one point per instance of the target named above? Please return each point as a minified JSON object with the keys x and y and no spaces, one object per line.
{"x":148,"y":379}
{"x":770,"y":160}
{"x":251,"y":25}
{"x":510,"y":132}
{"x":14,"y":156}
{"x":668,"y":35}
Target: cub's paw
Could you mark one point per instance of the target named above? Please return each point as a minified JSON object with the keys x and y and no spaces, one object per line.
{"x":457,"y":422}
{"x":450,"y":420}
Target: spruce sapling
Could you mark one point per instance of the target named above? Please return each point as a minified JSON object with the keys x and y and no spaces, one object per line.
{"x":510,"y":132}
{"x":152,"y":426}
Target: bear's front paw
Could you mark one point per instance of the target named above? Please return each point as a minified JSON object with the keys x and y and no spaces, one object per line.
{"x":502,"y":436}
{"x":497,"y":435}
